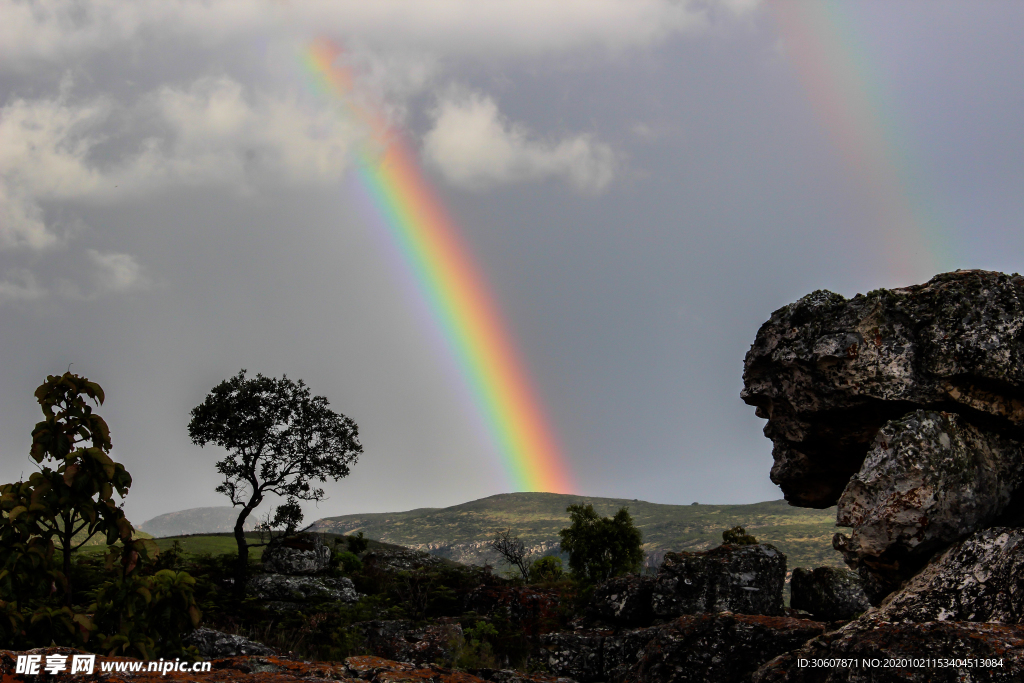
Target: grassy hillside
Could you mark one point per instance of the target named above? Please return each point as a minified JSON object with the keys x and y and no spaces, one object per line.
{"x":462,"y":532}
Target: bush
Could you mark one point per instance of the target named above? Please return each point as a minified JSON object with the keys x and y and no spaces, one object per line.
{"x":601,"y":547}
{"x":547,"y":569}
{"x":347,"y":561}
{"x":358,"y":543}
{"x":738,"y":536}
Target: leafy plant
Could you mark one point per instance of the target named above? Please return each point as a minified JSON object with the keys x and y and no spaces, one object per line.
{"x":547,"y":568}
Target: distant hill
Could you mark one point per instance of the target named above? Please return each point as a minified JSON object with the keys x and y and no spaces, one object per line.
{"x":462,"y":532}
{"x":196,"y":521}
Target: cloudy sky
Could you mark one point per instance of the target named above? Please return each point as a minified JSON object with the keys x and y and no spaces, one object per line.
{"x":642,"y":182}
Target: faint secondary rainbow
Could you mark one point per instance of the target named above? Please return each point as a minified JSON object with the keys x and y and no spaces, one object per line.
{"x":819,"y":40}
{"x":452,"y":286}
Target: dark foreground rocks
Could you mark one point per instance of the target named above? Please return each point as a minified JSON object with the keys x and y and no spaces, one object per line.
{"x":704,"y":647}
{"x":828,"y":593}
{"x":874,"y":651}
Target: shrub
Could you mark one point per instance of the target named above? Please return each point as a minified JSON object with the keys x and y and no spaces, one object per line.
{"x":738,"y":536}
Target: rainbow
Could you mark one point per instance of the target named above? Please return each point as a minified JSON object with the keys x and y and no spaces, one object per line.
{"x":820,"y":41}
{"x":452,"y":286}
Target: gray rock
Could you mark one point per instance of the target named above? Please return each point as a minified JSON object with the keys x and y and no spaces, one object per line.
{"x":298,"y":555}
{"x":708,"y":648}
{"x":624,"y":601}
{"x":290,"y":589}
{"x":896,"y":648}
{"x":828,"y":593}
{"x":978,"y":579}
{"x":828,"y":372}
{"x":578,"y":655}
{"x":929,"y":478}
{"x":746,"y":579}
{"x":215,"y":644}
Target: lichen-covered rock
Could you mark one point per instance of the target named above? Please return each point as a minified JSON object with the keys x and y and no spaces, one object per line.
{"x":578,"y":655}
{"x":930,"y":478}
{"x":876,"y":651}
{"x":746,"y":579}
{"x":298,"y":555}
{"x":401,"y":640}
{"x":279,"y":587}
{"x":828,"y":372}
{"x":394,"y":560}
{"x":717,"y":648}
{"x":828,"y":593}
{"x":213,"y":644}
{"x":978,"y":579}
{"x":624,"y":601}
{"x":510,"y":676}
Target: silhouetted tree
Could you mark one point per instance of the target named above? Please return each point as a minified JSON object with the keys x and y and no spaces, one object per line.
{"x":279,"y":440}
{"x":513,"y":550}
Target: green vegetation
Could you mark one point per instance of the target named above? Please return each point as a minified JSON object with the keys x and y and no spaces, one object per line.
{"x":131,"y":605}
{"x":462,"y":531}
{"x":279,"y":438}
{"x":601,"y":547}
{"x":737,"y":536}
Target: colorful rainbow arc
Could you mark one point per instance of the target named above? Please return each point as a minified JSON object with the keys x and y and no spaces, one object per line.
{"x":453,"y":288}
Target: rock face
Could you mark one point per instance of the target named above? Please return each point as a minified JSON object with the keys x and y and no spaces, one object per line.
{"x":828,"y":593}
{"x":304,"y":554}
{"x":978,"y":579}
{"x":987,"y":652}
{"x":280,"y":587}
{"x":709,"y":648}
{"x":624,"y":601}
{"x":905,"y":406}
{"x":828,"y":372}
{"x":213,"y":644}
{"x":747,"y":579}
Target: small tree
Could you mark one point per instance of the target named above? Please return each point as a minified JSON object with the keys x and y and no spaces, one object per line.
{"x":75,"y":499}
{"x":601,"y":547}
{"x":737,"y":536}
{"x":513,"y":550}
{"x":279,"y":439}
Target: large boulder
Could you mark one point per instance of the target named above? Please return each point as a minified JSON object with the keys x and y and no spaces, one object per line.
{"x":404,"y":641}
{"x":624,"y":601}
{"x":930,"y":478}
{"x":828,"y":372}
{"x":746,"y":579}
{"x":978,"y":579}
{"x":212,"y":644}
{"x":828,"y":593}
{"x":297,"y":555}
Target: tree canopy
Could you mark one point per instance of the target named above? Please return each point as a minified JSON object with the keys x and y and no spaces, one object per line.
{"x":280,"y":440}
{"x":601,"y":547}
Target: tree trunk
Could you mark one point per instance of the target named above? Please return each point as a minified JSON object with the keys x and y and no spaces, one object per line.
{"x":242,"y":568}
{"x":65,"y":540}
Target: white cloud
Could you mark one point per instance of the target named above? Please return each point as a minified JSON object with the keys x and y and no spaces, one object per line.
{"x":114,"y":272}
{"x":60,"y":31}
{"x":474,"y":146}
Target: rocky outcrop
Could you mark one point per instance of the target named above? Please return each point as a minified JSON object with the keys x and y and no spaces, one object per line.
{"x":828,"y":593}
{"x":978,"y":579}
{"x":905,"y":406}
{"x":746,"y":579}
{"x":828,"y":372}
{"x":296,"y":589}
{"x":624,"y":601}
{"x":870,"y":650}
{"x":706,"y":647}
{"x":391,"y":560}
{"x":530,"y":609}
{"x":297,"y":555}
{"x":212,"y":644}
{"x":929,"y":479}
